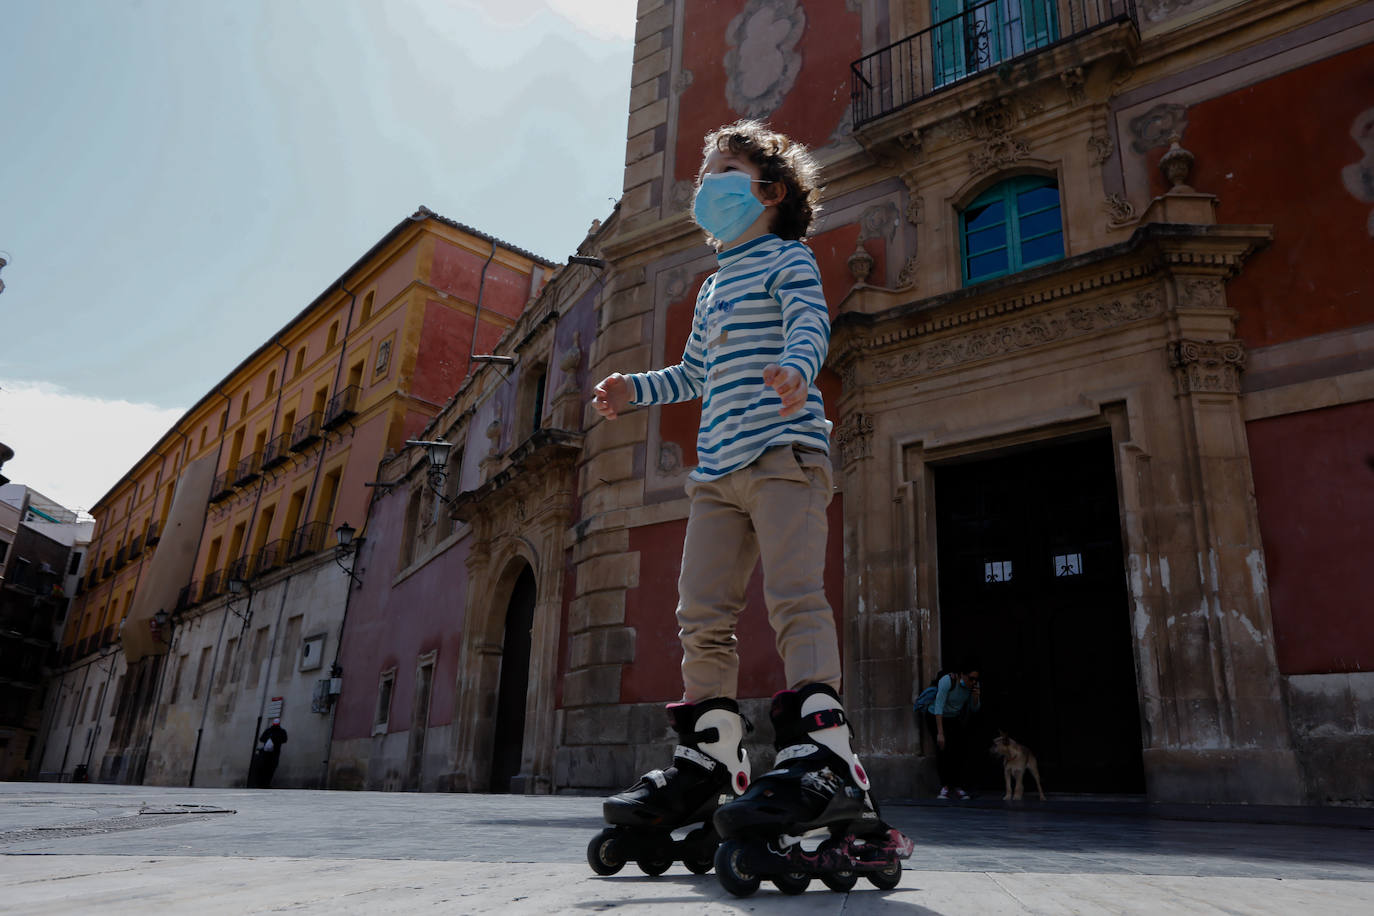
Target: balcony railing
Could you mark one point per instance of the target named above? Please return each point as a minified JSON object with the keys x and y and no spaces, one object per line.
{"x":342,"y":407}
{"x":983,"y":37}
{"x":308,"y":538}
{"x":108,"y":568}
{"x":121,"y":557}
{"x":271,"y":556}
{"x":277,"y":451}
{"x":187,"y":596}
{"x":241,"y":569}
{"x":136,"y":547}
{"x":248,"y":470}
{"x":221,"y":487}
{"x":212,"y":585}
{"x":154,"y":534}
{"x":307,"y":431}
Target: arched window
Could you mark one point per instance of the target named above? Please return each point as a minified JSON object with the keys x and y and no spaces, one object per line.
{"x":1009,"y":227}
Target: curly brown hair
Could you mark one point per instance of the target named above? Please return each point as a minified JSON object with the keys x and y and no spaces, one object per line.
{"x":780,"y":159}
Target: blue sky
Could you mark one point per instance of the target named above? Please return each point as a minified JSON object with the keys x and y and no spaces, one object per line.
{"x":181,"y":177}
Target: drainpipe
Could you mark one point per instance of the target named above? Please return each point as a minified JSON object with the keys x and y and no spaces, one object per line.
{"x":72,"y":728}
{"x":477,"y":316}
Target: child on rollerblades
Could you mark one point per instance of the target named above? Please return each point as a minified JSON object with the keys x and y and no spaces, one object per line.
{"x":760,"y":332}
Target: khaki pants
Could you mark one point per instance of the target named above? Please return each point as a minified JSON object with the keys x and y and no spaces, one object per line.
{"x":773,"y":509}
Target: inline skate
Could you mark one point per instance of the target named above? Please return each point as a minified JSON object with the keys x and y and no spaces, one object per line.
{"x":709,"y":766}
{"x":812,"y":815}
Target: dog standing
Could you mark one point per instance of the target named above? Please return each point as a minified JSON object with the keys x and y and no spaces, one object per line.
{"x":1016,"y":760}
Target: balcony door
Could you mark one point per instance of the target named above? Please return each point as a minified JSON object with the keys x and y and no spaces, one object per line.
{"x":969,"y":37}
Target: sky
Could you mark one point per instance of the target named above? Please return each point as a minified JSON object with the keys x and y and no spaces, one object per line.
{"x":180,"y":178}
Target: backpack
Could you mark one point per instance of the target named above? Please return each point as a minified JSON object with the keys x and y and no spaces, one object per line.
{"x":927,"y":696}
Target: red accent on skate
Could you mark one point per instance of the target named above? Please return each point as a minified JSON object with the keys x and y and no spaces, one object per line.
{"x":858,"y":768}
{"x":741,"y":782}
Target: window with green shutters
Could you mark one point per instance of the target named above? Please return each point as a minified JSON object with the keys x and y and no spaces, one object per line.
{"x":971,"y":36}
{"x":1011,"y":226}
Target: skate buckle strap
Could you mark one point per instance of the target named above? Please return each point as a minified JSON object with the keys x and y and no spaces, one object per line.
{"x":824,"y":718}
{"x":793,"y":752}
{"x":704,"y":761}
{"x":657,"y":778}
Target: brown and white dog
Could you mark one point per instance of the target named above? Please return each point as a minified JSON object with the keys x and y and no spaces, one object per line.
{"x":1016,"y":760}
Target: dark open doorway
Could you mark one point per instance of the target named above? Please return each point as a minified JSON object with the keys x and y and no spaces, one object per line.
{"x":1032,"y":582}
{"x":509,"y":739}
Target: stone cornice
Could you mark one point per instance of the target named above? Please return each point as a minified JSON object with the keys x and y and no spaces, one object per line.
{"x":876,"y":320}
{"x":533,"y":464}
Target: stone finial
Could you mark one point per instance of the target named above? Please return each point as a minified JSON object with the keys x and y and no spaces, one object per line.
{"x":860,"y":264}
{"x":1177,"y":165}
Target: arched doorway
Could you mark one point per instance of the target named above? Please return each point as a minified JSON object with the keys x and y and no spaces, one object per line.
{"x":513,"y":685}
{"x":1032,"y":582}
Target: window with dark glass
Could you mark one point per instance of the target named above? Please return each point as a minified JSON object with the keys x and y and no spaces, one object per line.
{"x":1011,"y":226}
{"x":973,"y":35}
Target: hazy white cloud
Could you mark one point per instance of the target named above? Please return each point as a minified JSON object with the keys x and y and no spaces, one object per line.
{"x":70,"y":447}
{"x":608,"y":20}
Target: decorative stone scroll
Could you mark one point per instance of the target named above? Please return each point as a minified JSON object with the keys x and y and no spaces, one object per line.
{"x":1039,"y":330}
{"x":854,"y":437}
{"x":1205,"y":366}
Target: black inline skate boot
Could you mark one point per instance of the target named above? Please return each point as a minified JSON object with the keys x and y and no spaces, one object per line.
{"x":811,"y":815}
{"x":709,"y":766}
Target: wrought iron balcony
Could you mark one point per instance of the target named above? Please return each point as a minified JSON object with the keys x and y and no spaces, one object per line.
{"x":308,"y":538}
{"x":271,"y":556}
{"x":221,"y":488}
{"x":342,"y":407}
{"x":277,"y":451}
{"x":248,"y":470}
{"x":108,"y":568}
{"x":121,"y":557}
{"x":136,"y":547}
{"x":187,"y":596}
{"x":984,"y":37}
{"x":153,"y":535}
{"x":212,"y":585}
{"x":306,"y":433}
{"x":240,"y":569}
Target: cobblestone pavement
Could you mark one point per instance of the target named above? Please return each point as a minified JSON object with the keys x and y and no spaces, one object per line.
{"x":95,"y":848}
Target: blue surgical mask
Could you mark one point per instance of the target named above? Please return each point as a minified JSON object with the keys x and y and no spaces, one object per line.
{"x":725,"y":206}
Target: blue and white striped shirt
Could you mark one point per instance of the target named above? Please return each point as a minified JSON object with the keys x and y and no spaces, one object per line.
{"x":764,"y":305}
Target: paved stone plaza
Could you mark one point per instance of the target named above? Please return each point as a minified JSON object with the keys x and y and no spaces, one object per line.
{"x":139,"y":849}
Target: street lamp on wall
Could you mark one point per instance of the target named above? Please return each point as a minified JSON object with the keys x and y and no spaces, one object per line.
{"x":237,"y":586}
{"x":438,"y":451}
{"x":348,"y":546}
{"x":161,"y":623}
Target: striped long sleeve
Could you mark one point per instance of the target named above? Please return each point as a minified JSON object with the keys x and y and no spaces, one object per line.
{"x":764,"y":305}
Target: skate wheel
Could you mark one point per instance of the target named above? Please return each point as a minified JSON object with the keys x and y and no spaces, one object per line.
{"x":792,"y":883}
{"x":730,"y":871}
{"x":603,"y":853}
{"x":888,"y":878}
{"x":841,"y":882}
{"x":699,"y":850}
{"x":654,"y":867}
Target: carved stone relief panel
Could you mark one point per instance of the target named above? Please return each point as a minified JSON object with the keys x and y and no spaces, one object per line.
{"x":763,"y":62}
{"x":1204,"y":366}
{"x":1158,"y":126}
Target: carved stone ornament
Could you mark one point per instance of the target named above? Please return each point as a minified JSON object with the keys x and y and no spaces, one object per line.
{"x":1177,"y":165}
{"x":1204,"y":366}
{"x":906,"y":278}
{"x":762,"y":63}
{"x":1035,"y":331}
{"x":1155,"y":127}
{"x":1358,"y":177}
{"x":1201,"y":293}
{"x":1120,"y":211}
{"x":1074,"y":81}
{"x":911,"y":141}
{"x":853,"y":437}
{"x":879,"y":222}
{"x":494,"y":435}
{"x":997,"y":152}
{"x":669,"y":457}
{"x":683,"y":80}
{"x":570,"y":361}
{"x":860,"y":263}
{"x":1100,"y":149}
{"x":675,"y":285}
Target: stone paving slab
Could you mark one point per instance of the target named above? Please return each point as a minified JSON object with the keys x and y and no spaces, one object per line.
{"x":216,"y":885}
{"x":116,"y":849}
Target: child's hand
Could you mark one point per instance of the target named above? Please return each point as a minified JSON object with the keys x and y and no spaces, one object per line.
{"x":612,"y":396}
{"x":787,"y":382}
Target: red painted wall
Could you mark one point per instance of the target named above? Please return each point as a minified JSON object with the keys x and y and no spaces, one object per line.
{"x":656,"y":675}
{"x":1273,"y":153}
{"x":810,"y":111}
{"x":1314,"y":483}
{"x":442,"y":361}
